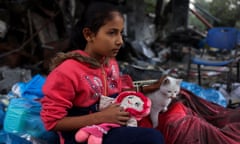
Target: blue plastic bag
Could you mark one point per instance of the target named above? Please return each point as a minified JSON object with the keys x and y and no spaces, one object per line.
{"x":208,"y":94}
{"x":29,"y":90}
{"x":10,"y":138}
{"x":23,"y":112}
{"x":23,"y":116}
{"x":2,"y":115}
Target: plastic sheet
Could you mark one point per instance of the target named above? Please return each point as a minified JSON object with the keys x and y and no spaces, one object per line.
{"x":23,"y":112}
{"x":9,"y":138}
{"x":208,"y":94}
{"x":2,"y":115}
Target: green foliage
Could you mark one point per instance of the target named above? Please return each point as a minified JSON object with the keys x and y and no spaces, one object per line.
{"x":192,"y":20}
{"x":227,"y":11}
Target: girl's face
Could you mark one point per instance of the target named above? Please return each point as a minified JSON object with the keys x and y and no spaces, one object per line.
{"x":108,"y":40}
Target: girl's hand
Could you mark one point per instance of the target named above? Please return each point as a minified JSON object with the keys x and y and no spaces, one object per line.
{"x":115,"y":114}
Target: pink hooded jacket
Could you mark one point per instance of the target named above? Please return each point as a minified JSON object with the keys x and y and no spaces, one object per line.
{"x":77,"y":84}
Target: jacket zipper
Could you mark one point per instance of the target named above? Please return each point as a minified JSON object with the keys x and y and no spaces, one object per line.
{"x":104,"y":81}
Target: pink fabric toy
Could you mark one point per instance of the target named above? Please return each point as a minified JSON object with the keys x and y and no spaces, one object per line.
{"x":133,"y":102}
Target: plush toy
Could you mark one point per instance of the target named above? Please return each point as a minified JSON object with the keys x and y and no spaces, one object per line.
{"x":133,"y":102}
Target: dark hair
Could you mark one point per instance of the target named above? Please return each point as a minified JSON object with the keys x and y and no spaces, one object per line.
{"x":95,"y":16}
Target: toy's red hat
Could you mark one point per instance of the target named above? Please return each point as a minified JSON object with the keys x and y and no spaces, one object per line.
{"x":137,"y":114}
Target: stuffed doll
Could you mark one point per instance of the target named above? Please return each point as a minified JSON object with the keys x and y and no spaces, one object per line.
{"x":133,"y":102}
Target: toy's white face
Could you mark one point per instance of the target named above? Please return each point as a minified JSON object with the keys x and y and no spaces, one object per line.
{"x":132,"y":101}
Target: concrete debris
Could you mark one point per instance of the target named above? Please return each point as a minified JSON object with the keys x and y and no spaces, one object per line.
{"x":8,"y":77}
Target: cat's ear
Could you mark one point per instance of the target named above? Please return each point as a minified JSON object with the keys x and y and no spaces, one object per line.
{"x":166,"y":81}
{"x":179,"y":81}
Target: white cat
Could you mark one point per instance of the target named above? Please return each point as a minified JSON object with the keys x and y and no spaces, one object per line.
{"x":161,"y":98}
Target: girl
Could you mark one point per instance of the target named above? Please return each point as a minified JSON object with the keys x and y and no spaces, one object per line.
{"x":80,"y":77}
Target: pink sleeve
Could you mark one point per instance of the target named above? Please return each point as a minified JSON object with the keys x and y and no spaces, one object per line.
{"x":58,"y":95}
{"x":126,"y":82}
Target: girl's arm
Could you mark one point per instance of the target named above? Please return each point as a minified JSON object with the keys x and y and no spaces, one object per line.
{"x":113,"y":114}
